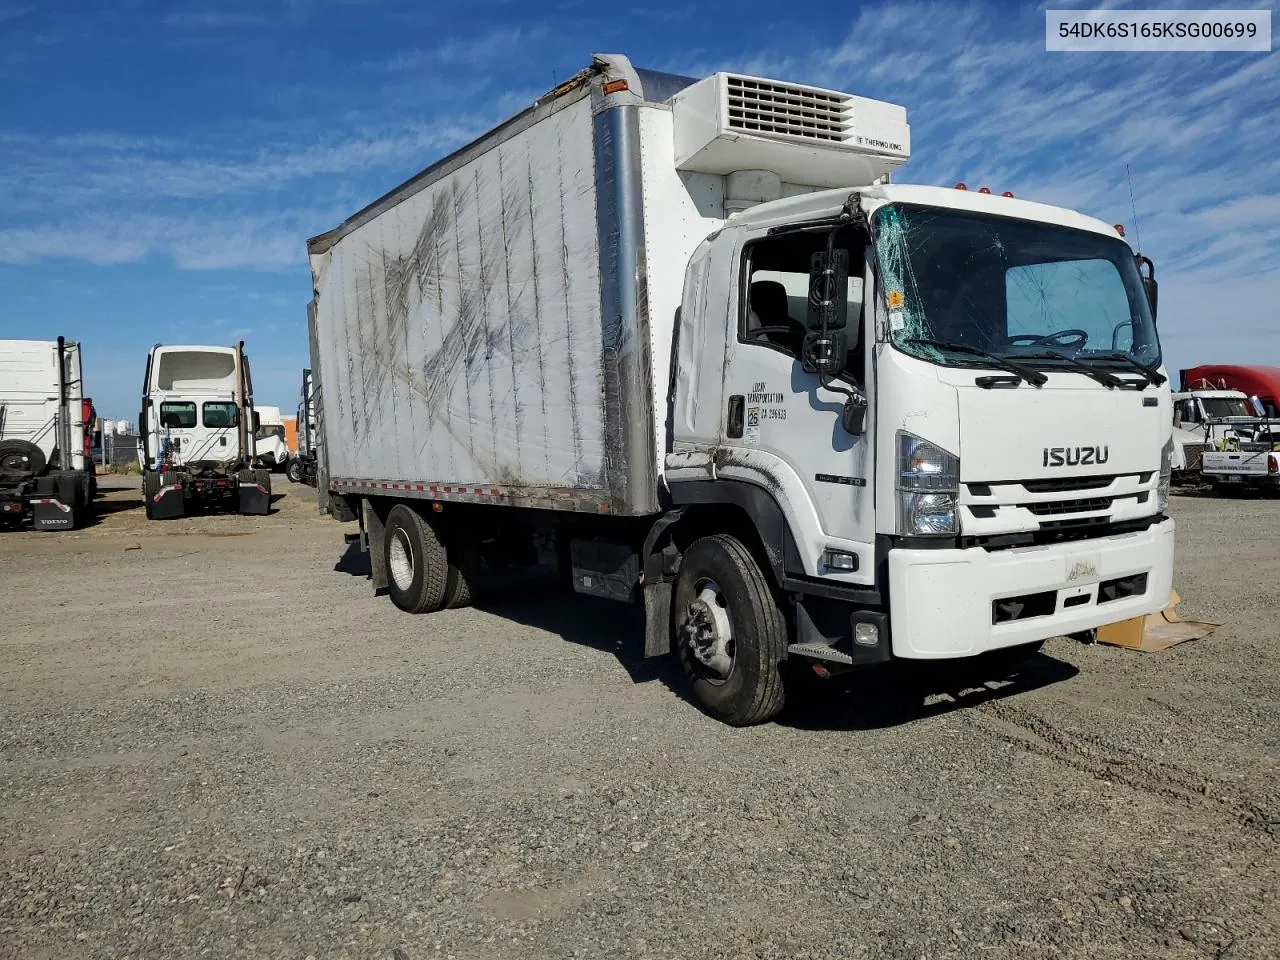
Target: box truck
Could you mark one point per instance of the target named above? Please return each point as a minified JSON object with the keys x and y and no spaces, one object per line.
{"x":46,"y":425}
{"x":197,"y":433}
{"x":685,"y":339}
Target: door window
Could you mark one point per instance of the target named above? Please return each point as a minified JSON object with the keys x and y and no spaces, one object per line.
{"x":775,"y":298}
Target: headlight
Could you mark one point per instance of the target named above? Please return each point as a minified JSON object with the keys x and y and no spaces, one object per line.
{"x":1166,"y":471}
{"x":928,"y":488}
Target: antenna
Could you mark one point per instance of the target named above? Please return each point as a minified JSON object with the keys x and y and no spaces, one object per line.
{"x":1137,"y":230}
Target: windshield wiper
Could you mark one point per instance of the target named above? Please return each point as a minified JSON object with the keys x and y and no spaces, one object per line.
{"x":1108,"y":380}
{"x":1154,"y":376}
{"x":1029,"y":374}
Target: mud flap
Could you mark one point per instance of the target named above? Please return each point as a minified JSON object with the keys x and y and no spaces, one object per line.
{"x":255,"y":492}
{"x":53,"y":507}
{"x":168,"y":498}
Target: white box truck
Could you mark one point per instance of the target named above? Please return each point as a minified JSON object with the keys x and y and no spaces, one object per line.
{"x":685,"y":338}
{"x":46,"y":473}
{"x":197,"y":433}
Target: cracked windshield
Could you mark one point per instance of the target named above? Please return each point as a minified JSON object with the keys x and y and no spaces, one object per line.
{"x":960,"y":285}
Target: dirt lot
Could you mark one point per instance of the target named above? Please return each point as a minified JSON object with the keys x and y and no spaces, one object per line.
{"x":215,"y":741}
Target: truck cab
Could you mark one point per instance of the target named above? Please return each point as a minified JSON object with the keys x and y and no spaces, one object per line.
{"x":964,"y":413}
{"x":270,"y":447}
{"x":47,"y":475}
{"x":197,"y":431}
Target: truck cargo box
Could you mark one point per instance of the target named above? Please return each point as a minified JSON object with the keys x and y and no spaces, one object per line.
{"x":500,"y":327}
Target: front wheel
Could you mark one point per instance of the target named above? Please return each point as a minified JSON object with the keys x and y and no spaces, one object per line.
{"x":729,"y":632}
{"x":294,"y":471}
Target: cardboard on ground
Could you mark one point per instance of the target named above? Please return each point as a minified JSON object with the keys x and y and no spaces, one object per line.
{"x":1160,"y":631}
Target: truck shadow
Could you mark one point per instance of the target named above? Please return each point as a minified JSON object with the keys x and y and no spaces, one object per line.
{"x":878,"y":697}
{"x":896,"y":694}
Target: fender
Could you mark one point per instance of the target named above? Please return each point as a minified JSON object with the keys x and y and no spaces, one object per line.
{"x":775,"y":535}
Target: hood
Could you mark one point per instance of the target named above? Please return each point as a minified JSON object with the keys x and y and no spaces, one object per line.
{"x":1071,"y":426}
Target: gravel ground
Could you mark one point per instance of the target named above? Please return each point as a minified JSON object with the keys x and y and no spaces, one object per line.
{"x":215,"y":741}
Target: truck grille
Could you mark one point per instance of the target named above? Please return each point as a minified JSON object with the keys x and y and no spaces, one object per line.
{"x":1056,"y":484}
{"x":1194,"y":453}
{"x":769,"y":107}
{"x":1053,"y":508}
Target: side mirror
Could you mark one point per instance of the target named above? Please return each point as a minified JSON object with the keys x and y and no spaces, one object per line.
{"x":1258,"y":409}
{"x":828,"y":290}
{"x":854,"y":415}
{"x":257,"y":422}
{"x":1149,"y":283}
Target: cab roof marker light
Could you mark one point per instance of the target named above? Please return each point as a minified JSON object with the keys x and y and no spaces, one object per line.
{"x":1120,"y":229}
{"x":961,"y":186}
{"x":984,"y":189}
{"x":1007,"y":194}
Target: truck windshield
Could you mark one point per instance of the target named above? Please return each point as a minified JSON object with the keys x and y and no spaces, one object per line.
{"x":1041,"y":294}
{"x":1218,"y":407}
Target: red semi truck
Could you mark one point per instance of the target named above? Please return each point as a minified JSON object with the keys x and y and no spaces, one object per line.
{"x":1253,"y":381}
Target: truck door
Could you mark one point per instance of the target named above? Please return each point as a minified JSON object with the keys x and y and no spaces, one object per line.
{"x":781,"y":426}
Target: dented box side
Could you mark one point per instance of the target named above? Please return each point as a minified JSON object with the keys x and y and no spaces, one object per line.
{"x":486,"y":331}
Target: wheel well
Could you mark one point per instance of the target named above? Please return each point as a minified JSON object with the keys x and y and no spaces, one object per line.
{"x":706,"y":519}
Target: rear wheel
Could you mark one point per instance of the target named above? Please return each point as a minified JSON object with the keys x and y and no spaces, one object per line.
{"x":463,"y":585}
{"x":416,"y":563}
{"x":729,"y":632}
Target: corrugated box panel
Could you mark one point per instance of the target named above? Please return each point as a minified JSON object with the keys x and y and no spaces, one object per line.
{"x":460,"y":330}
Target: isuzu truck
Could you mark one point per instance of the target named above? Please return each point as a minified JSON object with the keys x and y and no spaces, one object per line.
{"x":46,"y":425}
{"x":684,"y":339}
{"x":197,"y":433}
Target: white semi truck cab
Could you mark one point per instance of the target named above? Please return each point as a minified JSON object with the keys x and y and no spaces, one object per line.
{"x":688,"y":333}
{"x":46,"y":473}
{"x":197,"y":432}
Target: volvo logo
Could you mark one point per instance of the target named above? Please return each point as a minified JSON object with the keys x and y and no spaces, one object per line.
{"x":1075,"y":456}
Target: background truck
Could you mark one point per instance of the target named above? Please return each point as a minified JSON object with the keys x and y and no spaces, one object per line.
{"x":682,"y":339}
{"x":302,"y":466}
{"x":46,"y":425}
{"x":271,"y":449}
{"x":1203,"y":419}
{"x":1253,"y":381}
{"x":197,"y":429}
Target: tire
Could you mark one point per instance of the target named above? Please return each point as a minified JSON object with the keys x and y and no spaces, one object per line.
{"x":463,"y":586}
{"x":294,"y":471}
{"x":150,"y":487}
{"x":21,"y":460}
{"x":751,"y":689}
{"x":416,"y":562}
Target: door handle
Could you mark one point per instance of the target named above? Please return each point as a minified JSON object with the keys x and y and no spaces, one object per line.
{"x":737,"y":408}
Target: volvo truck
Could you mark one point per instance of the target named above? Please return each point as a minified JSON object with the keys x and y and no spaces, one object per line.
{"x":47,"y":476}
{"x":197,"y":433}
{"x":687,"y":341}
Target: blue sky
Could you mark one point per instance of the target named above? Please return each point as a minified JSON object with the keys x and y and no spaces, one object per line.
{"x":162,"y":163}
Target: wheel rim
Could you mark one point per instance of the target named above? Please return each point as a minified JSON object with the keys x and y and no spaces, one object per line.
{"x":707,"y":632}
{"x":400,"y":560}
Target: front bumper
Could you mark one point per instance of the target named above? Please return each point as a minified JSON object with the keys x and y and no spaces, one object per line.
{"x":942,"y":602}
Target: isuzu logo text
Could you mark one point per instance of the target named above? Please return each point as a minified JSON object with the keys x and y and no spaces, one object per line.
{"x":1075,"y":456}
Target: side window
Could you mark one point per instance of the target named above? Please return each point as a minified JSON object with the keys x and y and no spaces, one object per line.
{"x":178,"y":415}
{"x":220,"y":414}
{"x":775,"y":295}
